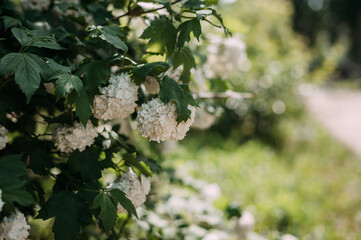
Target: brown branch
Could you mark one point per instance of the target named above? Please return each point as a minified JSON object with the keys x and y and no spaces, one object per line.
{"x":227,"y":94}
{"x":130,"y":13}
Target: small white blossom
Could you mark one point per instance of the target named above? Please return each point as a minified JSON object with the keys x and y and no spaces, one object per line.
{"x":1,"y":202}
{"x":151,"y":85}
{"x":117,"y":99}
{"x":134,"y":189}
{"x":3,"y":137}
{"x":244,"y":225}
{"x":203,"y":119}
{"x":158,"y":121}
{"x":288,"y":237}
{"x":14,"y":227}
{"x":38,"y":5}
{"x":175,"y":74}
{"x":67,"y":139}
{"x":225,"y":57}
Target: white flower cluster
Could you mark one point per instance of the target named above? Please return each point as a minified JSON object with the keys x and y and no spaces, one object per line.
{"x":1,"y":202}
{"x":38,"y":5}
{"x":203,"y":119}
{"x":158,"y":121}
{"x":14,"y":227}
{"x":117,"y":100}
{"x":134,"y":189}
{"x":3,"y":137}
{"x":151,"y":83}
{"x":225,"y":56}
{"x":181,"y":212}
{"x":67,"y":139}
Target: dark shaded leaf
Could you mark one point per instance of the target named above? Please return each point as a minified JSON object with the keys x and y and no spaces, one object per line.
{"x":185,"y":30}
{"x":139,"y":73}
{"x":171,"y":90}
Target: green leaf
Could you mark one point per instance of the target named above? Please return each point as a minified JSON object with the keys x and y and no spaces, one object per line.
{"x":184,"y":57}
{"x":190,"y":4}
{"x":185,"y":30}
{"x":47,"y":42}
{"x":40,"y":161}
{"x":68,"y":213}
{"x":66,"y":83}
{"x":140,"y":72}
{"x":131,"y":160}
{"x":27,"y":71}
{"x":83,"y":106}
{"x":87,"y":164}
{"x":10,"y":22}
{"x":23,"y":35}
{"x":112,"y":36}
{"x":12,"y":183}
{"x":119,"y":197}
{"x":49,"y":67}
{"x":95,"y":74}
{"x":162,"y":36}
{"x":108,"y":210}
{"x":171,"y":90}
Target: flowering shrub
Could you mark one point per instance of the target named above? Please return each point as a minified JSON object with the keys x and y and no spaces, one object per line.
{"x":68,"y":66}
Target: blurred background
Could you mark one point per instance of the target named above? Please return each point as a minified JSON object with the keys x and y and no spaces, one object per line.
{"x":291,"y":154}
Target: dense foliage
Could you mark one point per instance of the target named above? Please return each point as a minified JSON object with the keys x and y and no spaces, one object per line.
{"x":68,"y":66}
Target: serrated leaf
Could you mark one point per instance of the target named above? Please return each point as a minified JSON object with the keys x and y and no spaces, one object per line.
{"x":162,"y":36}
{"x":87,"y":164}
{"x":23,"y":35}
{"x":47,"y":42}
{"x":131,"y":160}
{"x":95,"y":74}
{"x":171,"y":90}
{"x":27,"y":71}
{"x":184,"y":57}
{"x":120,"y":197}
{"x":83,"y":106}
{"x":66,"y":83}
{"x":68,"y":213}
{"x":40,"y":161}
{"x":108,"y":210}
{"x":139,"y":73}
{"x":185,"y":30}
{"x":110,"y":35}
{"x":12,"y":181}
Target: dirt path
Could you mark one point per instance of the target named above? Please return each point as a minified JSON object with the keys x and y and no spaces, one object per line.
{"x":339,"y":111}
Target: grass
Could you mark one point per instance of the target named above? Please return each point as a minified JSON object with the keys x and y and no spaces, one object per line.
{"x":310,"y":189}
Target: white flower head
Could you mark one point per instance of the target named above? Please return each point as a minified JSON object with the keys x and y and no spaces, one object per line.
{"x":14,"y":227}
{"x":1,"y":202}
{"x":225,"y":57}
{"x":67,"y":139}
{"x":245,"y":224}
{"x":175,"y":74}
{"x":203,"y":119}
{"x":134,"y":189}
{"x":3,"y":137}
{"x":117,"y":100}
{"x":158,"y":121}
{"x":38,"y":5}
{"x":151,"y":85}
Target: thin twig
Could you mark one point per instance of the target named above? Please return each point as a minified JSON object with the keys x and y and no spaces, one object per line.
{"x":130,"y":13}
{"x":227,"y":94}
